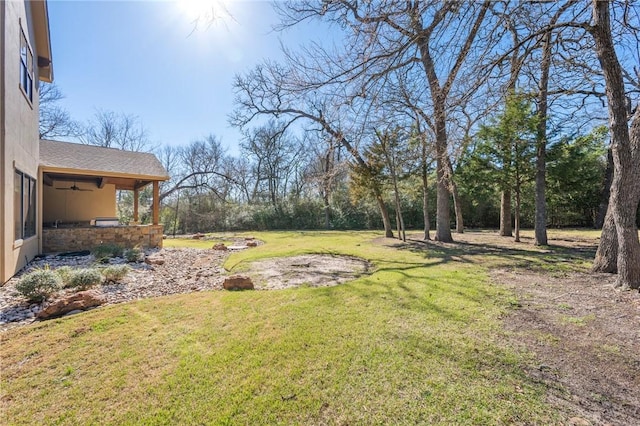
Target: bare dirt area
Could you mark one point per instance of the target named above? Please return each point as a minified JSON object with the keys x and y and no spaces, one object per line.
{"x":583,"y":334}
{"x":312,"y":270}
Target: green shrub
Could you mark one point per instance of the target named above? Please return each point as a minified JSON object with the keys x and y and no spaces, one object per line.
{"x":85,"y":278}
{"x":64,"y":272}
{"x":39,"y":285}
{"x":104,"y":252}
{"x":133,"y":254}
{"x":115,"y":273}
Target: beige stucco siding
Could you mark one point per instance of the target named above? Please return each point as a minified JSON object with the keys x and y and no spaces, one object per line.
{"x":20,"y":139}
{"x":77,"y":206}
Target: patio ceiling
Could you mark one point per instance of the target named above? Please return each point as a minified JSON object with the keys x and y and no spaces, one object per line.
{"x":121,"y":183}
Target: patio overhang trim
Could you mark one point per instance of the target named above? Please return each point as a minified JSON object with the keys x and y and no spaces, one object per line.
{"x":122,"y":181}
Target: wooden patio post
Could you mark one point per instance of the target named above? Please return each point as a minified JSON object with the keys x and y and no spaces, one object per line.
{"x":136,"y":195}
{"x":156,"y":202}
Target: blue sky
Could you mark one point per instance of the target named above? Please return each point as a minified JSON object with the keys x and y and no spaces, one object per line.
{"x":144,"y":58}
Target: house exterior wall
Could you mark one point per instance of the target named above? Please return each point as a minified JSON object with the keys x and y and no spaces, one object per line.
{"x":77,"y":206}
{"x":19,"y":133}
{"x":55,"y":240}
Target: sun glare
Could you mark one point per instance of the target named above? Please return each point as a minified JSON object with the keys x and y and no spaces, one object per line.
{"x":204,"y":11}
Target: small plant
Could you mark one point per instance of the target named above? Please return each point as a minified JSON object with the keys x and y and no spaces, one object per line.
{"x":132,"y":255}
{"x":104,"y":252}
{"x":38,"y":285}
{"x":64,"y":272}
{"x":85,"y":278}
{"x":115,"y":273}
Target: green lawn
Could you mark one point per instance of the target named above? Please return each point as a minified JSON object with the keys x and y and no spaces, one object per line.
{"x":416,"y":342}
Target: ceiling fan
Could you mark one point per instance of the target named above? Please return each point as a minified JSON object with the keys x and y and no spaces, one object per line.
{"x":74,"y":187}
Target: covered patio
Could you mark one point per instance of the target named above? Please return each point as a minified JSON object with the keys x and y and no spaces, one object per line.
{"x":78,"y":196}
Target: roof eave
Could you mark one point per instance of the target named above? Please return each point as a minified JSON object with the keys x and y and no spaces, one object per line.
{"x":87,"y":172}
{"x":40,"y":14}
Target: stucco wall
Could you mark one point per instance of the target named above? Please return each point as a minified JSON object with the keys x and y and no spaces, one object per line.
{"x":75,"y":239}
{"x":77,"y":206}
{"x":20,"y":139}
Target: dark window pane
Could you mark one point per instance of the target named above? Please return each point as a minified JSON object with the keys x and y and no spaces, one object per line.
{"x":17,"y":205}
{"x":25,"y":204}
{"x":31,"y":209}
{"x":26,"y":67}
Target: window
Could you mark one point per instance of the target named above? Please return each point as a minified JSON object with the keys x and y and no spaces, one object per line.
{"x":24,"y":191}
{"x":26,"y":67}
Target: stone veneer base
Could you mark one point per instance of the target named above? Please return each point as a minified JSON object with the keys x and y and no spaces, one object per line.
{"x":56,"y":240}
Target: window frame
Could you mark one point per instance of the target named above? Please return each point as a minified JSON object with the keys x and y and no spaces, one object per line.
{"x":25,"y":206}
{"x":27,"y":70}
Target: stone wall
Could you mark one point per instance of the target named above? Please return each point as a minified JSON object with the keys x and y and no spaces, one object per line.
{"x":56,"y":240}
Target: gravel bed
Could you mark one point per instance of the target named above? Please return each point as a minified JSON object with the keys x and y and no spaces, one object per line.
{"x":184,"y":270}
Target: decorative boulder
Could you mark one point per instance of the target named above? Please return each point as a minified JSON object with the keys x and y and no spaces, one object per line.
{"x":75,"y":302}
{"x":252,"y":244}
{"x":154,"y":259}
{"x":237,"y":282}
{"x":219,"y":246}
{"x":249,"y":238}
{"x":198,"y":236}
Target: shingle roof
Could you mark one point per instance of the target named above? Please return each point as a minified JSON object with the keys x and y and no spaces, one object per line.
{"x":98,"y":160}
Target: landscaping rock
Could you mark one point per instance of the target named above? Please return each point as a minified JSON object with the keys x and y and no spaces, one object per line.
{"x":78,"y":301}
{"x":198,"y":236}
{"x":252,"y":243}
{"x":155,"y":259}
{"x":219,"y":246}
{"x":238,"y":282}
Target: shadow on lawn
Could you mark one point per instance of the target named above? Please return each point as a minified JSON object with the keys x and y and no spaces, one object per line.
{"x":553,"y":257}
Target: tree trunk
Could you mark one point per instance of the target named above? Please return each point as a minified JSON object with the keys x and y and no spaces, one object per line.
{"x":443,"y":222}
{"x":399,"y":220}
{"x":457,"y":207}
{"x":457,"y":204}
{"x":326,"y":186}
{"x":425,"y":204}
{"x":540,"y":224}
{"x":386,"y":221}
{"x":606,"y":192}
{"x":327,"y":211}
{"x":517,"y":218}
{"x":606,"y":259}
{"x":625,"y":147}
{"x":505,"y":214}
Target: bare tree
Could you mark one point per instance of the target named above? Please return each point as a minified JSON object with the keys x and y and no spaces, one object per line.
{"x":198,"y":167}
{"x":382,"y":38}
{"x":268,"y":91}
{"x":275,"y":153}
{"x":112,"y":130}
{"x":325,"y":170}
{"x":55,"y":121}
{"x":388,"y":147}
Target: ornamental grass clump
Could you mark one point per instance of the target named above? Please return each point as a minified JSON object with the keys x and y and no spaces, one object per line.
{"x":38,"y":285}
{"x":133,"y":255}
{"x":64,"y":272}
{"x":115,"y":273}
{"x":83,"y":279}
